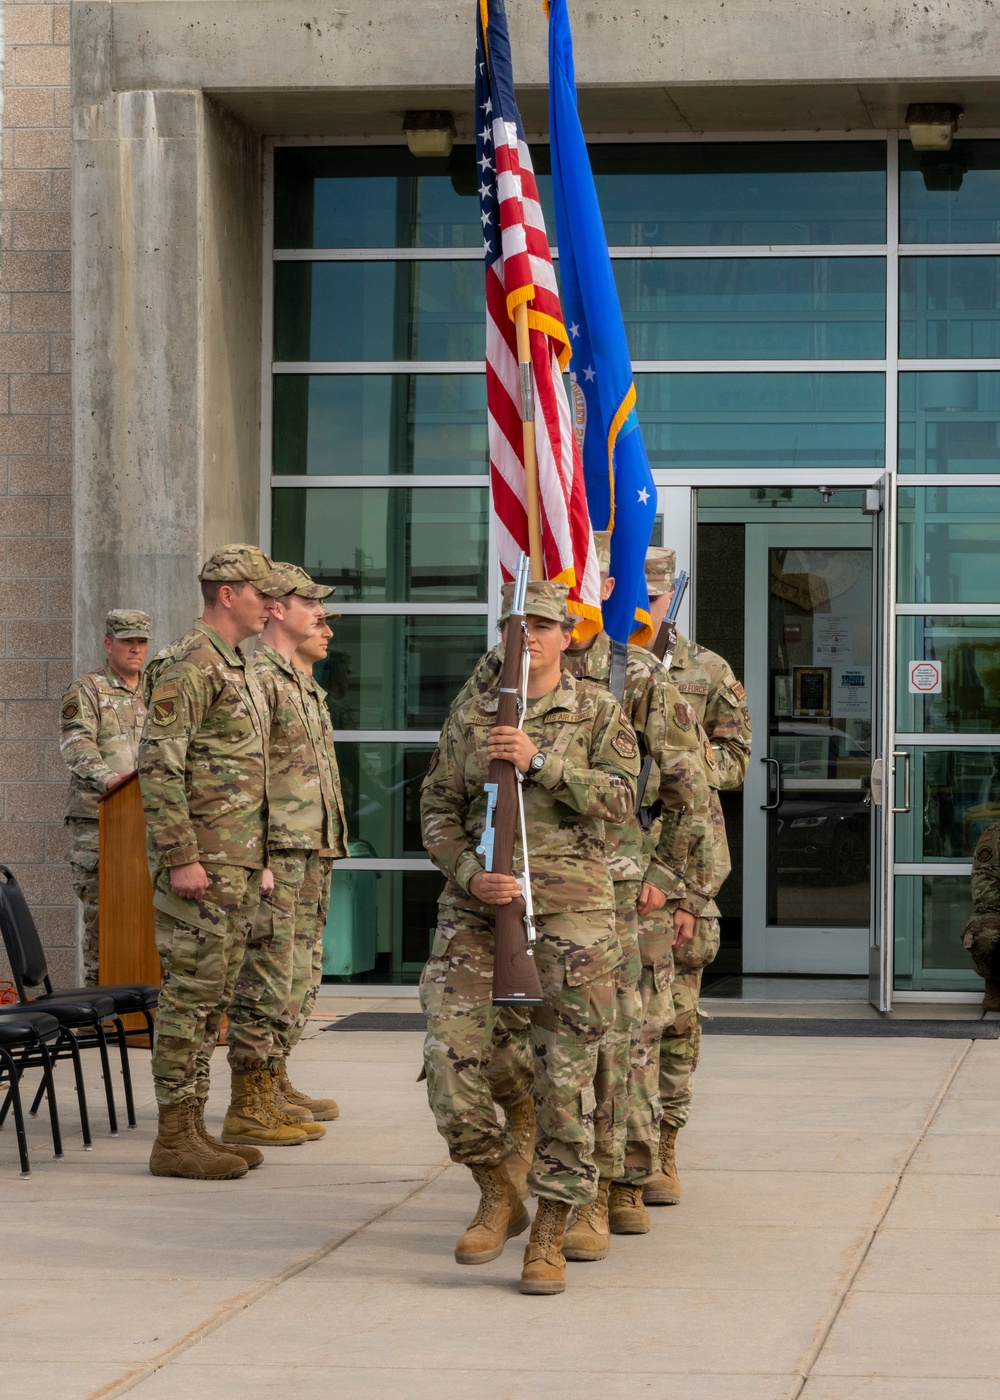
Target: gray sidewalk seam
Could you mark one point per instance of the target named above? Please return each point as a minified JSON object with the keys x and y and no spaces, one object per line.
{"x":253,"y":1295}
{"x":863,"y":1252}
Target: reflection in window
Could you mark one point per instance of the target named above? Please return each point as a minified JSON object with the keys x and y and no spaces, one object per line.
{"x":954,"y":797}
{"x":763,"y":420}
{"x":753,"y":308}
{"x":380,"y":424}
{"x":386,"y":545}
{"x":381,"y":784}
{"x":948,"y":544}
{"x":386,"y":925}
{"x":949,"y":307}
{"x":949,"y":421}
{"x":399,"y":672}
{"x":671,"y":194}
{"x":968,"y":649}
{"x":379,"y":311}
{"x":930,"y":913}
{"x":950,"y":196}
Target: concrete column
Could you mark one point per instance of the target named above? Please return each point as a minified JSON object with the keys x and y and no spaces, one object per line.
{"x":166,"y":291}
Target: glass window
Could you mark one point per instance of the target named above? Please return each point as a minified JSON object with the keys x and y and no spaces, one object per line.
{"x":949,"y":421}
{"x":948,"y":544}
{"x":380,"y":545}
{"x":381,"y":924}
{"x":753,"y":308}
{"x":379,"y":311}
{"x":381,"y":784}
{"x":763,"y":420}
{"x":659,"y":195}
{"x":380,"y":424}
{"x":375,"y":197}
{"x":930,"y":913}
{"x":954,"y":797}
{"x":950,"y":196}
{"x":949,"y":307}
{"x":968,"y":649}
{"x":399,"y":672}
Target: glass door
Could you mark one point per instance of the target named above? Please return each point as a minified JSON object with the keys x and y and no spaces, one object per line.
{"x":810,"y":681}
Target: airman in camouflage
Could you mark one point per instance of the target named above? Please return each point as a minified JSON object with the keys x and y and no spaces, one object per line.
{"x":203,"y":771}
{"x":277,"y":982}
{"x":981,"y":934}
{"x":101,"y":719}
{"x":587,"y":778}
{"x":707,"y":683}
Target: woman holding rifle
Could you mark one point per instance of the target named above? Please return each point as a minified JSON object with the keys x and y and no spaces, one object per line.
{"x":579,"y":760}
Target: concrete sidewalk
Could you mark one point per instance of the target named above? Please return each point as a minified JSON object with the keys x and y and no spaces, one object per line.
{"x":837,"y":1241}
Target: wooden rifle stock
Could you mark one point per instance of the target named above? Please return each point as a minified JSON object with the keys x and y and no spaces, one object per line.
{"x":515,"y":977}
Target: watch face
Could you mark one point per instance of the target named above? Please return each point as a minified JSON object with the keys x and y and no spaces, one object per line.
{"x":537,"y":762}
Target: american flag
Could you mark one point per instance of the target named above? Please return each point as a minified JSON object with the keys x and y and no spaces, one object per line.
{"x":519,"y":269}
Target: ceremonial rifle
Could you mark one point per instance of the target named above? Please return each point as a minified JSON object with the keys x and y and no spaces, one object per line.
{"x":663,"y":649}
{"x":515,"y":976}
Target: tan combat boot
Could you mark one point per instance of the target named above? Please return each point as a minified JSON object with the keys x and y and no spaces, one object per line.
{"x":251,"y":1155}
{"x":664,"y":1188}
{"x":250,"y":1118}
{"x":282,"y":1111}
{"x":588,"y":1236}
{"x":521,"y":1126}
{"x":626,"y":1213}
{"x":301,"y":1105}
{"x":544,"y":1262}
{"x":500,"y":1216}
{"x":179,"y":1150}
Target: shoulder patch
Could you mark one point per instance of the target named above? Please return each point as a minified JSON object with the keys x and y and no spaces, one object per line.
{"x":435,"y":759}
{"x":164,"y":711}
{"x":683,"y":715}
{"x":709,"y":756}
{"x":984,"y":851}
{"x":624,"y":743}
{"x":738,"y":691}
{"x":70,"y":710}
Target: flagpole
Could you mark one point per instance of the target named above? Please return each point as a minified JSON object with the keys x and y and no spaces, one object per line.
{"x":528,"y":434}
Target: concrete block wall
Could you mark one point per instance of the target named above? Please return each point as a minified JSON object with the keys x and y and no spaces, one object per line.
{"x":35,"y":466}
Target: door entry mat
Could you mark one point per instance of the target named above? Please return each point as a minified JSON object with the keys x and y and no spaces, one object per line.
{"x":842,"y":1027}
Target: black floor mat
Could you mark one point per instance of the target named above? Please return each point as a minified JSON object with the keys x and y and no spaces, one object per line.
{"x":842,"y":1027}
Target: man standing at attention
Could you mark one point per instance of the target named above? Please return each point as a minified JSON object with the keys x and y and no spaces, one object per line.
{"x":101,"y":721}
{"x":203,"y":770}
{"x":305,"y":832}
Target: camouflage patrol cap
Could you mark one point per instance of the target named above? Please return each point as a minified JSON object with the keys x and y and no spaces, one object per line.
{"x":242,"y":563}
{"x":660,"y":567}
{"x":291,"y":579}
{"x":602,"y":544}
{"x":543,"y":599}
{"x":124,"y":623}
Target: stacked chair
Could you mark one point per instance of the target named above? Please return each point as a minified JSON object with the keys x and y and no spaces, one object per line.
{"x":66,"y":1022}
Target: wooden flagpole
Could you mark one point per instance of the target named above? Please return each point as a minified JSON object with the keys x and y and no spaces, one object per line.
{"x":528,"y":433}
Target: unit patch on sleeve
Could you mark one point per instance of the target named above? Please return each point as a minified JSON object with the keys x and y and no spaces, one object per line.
{"x":683,"y":714}
{"x":70,"y":710}
{"x":738,"y":691}
{"x":164,"y":711}
{"x":435,"y":757}
{"x":624,"y":743}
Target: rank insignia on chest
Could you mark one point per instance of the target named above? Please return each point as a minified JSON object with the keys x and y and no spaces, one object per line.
{"x":163,"y":711}
{"x":624,"y":743}
{"x":70,"y":710}
{"x":682,"y":715}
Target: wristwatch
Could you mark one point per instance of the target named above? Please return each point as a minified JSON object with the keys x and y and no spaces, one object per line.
{"x":536,"y":764}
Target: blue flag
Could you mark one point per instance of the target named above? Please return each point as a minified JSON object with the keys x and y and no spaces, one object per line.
{"x":620,"y":493}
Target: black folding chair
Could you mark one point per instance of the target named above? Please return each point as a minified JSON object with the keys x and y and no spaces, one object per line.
{"x":81,"y":1011}
{"x":27,"y":1033}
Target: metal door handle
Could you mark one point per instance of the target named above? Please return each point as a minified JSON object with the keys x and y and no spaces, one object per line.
{"x":778,"y":794}
{"x":903,"y":754}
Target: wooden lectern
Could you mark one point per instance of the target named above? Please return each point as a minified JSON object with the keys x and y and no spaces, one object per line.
{"x":125,"y":910}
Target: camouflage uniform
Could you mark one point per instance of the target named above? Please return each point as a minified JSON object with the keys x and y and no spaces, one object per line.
{"x":588,"y":779}
{"x":718,"y":699}
{"x":101,"y":721}
{"x":202,"y":766}
{"x":981,"y":935}
{"x":277,"y":982}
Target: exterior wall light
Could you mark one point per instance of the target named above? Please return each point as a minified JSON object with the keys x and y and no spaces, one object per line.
{"x":932,"y":125}
{"x":429,"y":133}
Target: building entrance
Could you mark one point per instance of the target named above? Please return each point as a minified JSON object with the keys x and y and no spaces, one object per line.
{"x":785,"y":590}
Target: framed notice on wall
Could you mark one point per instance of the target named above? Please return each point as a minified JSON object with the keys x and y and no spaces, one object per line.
{"x":811,"y":691}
